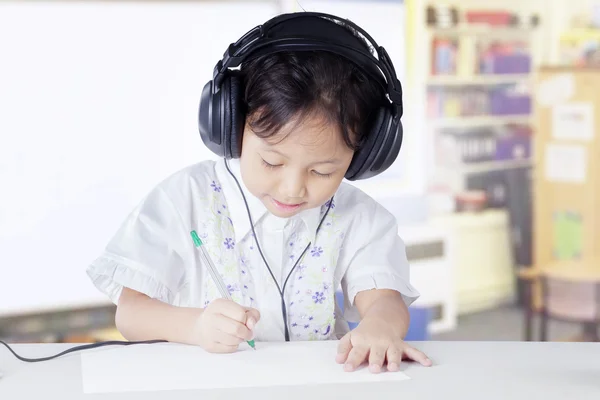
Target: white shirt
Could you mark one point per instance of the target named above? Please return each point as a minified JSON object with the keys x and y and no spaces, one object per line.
{"x":352,"y":243}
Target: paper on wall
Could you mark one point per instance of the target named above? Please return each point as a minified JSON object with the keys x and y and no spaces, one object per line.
{"x":565,"y":163}
{"x":573,"y":121}
{"x":556,"y":90}
{"x":168,"y":366}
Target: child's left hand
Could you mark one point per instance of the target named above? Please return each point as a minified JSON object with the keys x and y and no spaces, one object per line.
{"x":378,"y":342}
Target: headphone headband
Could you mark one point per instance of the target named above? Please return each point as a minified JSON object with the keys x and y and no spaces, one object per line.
{"x":261,"y":40}
{"x":221,"y":114}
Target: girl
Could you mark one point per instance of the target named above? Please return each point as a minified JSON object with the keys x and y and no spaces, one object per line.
{"x":274,"y":215}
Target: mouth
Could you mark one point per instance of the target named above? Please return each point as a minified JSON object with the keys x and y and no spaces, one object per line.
{"x":286,"y":206}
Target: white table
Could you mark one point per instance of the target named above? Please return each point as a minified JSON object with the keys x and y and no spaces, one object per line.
{"x":462,"y":370}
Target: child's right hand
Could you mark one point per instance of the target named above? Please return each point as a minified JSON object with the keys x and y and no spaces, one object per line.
{"x":223,"y":325}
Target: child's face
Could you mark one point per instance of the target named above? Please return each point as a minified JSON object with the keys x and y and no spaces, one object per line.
{"x":302,"y":171}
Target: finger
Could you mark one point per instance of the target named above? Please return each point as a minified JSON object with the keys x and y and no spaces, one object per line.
{"x":227,"y":339}
{"x":394,"y":358}
{"x":344,"y":347}
{"x":222,"y":348}
{"x":232,"y":310}
{"x":234,"y":328}
{"x":252,"y":317}
{"x":377,"y":358}
{"x":417,"y":356}
{"x":357,"y":356}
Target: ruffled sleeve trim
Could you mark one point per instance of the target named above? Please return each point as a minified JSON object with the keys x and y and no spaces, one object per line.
{"x":110,"y":273}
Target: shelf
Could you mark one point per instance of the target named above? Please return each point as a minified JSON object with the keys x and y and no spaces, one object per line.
{"x":580,"y":34}
{"x":485,"y":120}
{"x":494,"y":166}
{"x":495,"y":79}
{"x":481,"y":30}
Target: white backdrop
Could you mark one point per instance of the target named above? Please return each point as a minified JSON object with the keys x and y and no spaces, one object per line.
{"x":98,"y":102}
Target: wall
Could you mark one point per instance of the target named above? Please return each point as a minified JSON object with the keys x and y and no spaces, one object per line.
{"x":98,"y":103}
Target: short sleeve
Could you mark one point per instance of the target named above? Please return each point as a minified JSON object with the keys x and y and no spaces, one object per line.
{"x":378,"y":261}
{"x":147,"y":253}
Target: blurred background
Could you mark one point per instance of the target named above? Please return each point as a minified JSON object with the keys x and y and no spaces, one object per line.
{"x":496,"y":189}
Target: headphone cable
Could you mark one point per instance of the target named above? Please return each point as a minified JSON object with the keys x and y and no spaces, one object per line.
{"x":79,"y":348}
{"x":281,"y":291}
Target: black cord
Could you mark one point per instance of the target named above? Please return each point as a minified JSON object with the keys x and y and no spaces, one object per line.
{"x":281,"y":291}
{"x":79,"y":348}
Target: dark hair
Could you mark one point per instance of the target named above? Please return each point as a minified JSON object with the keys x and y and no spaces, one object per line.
{"x":286,"y":85}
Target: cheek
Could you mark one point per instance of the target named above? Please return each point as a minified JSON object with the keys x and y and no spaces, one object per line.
{"x":256,"y":177}
{"x":321,"y":189}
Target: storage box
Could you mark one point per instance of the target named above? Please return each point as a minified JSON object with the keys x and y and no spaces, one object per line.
{"x":513,"y":146}
{"x":509,"y":64}
{"x":508,"y":102}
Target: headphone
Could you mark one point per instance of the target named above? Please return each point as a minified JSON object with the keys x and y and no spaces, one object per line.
{"x":221,"y":113}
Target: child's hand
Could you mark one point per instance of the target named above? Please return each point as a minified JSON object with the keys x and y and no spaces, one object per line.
{"x":378,"y":342}
{"x":223,"y":325}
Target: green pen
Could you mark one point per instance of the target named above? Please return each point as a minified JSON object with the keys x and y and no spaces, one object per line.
{"x":214,"y":273}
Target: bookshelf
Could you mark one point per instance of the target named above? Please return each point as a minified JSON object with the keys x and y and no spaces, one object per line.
{"x":472,"y":76}
{"x":478,"y":87}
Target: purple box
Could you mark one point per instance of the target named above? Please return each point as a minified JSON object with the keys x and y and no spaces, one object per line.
{"x":504,"y":102}
{"x":511,"y":64}
{"x":513,"y":147}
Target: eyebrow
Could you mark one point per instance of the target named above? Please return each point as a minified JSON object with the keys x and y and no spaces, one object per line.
{"x":330,"y":161}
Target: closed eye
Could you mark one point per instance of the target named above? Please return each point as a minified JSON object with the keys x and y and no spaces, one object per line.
{"x":268,"y":165}
{"x":322,"y":175}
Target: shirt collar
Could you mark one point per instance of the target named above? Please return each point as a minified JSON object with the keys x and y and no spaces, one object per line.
{"x":237,"y":207}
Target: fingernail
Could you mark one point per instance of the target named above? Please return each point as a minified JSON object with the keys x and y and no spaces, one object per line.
{"x":393,"y":367}
{"x":375,"y":368}
{"x":428,"y":361}
{"x":348,"y":367}
{"x":250,"y":324}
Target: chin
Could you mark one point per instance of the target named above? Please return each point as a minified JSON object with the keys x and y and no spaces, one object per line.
{"x":280,"y":214}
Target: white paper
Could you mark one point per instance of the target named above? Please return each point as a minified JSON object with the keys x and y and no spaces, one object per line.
{"x":565,"y":163}
{"x":159,"y":367}
{"x":556,"y":90}
{"x":573,"y":121}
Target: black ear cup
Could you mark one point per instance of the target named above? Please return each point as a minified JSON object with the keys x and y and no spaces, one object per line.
{"x":238,"y":114}
{"x":385,"y":150}
{"x":362,"y":155}
{"x":209,"y":119}
{"x":226,"y":113}
{"x":221,"y":117}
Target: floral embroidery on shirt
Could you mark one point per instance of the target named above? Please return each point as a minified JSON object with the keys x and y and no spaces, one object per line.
{"x":319,"y":297}
{"x":229,"y":243}
{"x":215,"y":186}
{"x":316,"y":251}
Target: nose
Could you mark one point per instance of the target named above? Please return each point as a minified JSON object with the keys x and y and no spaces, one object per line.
{"x":293,"y":186}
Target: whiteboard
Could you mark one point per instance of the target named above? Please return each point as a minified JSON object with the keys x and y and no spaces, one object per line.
{"x":98,"y":103}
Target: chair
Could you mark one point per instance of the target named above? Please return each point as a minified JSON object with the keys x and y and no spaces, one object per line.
{"x":569,"y":290}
